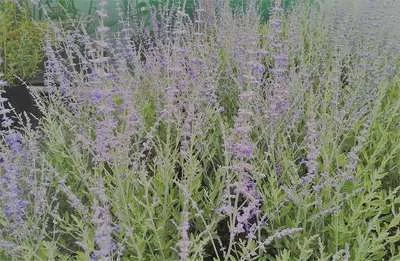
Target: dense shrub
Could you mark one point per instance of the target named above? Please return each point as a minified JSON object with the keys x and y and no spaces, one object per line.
{"x":20,"y":42}
{"x":225,"y":139}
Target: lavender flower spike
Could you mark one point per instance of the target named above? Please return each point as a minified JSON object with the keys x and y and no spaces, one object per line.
{"x":184,"y":242}
{"x":240,"y":146}
{"x":102,"y":221}
{"x":279,"y":101}
{"x":11,"y":198}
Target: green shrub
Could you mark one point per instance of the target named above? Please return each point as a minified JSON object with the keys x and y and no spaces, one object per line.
{"x":20,"y":42}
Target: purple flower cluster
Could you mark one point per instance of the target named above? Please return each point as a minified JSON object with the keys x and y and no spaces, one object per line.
{"x":187,"y":130}
{"x":102,"y":221}
{"x":13,"y":140}
{"x":116,"y":123}
{"x":239,"y":144}
{"x":249,"y":58}
{"x":14,"y":205}
{"x":279,"y":94}
{"x":105,"y":139}
{"x":11,"y":194}
{"x":184,"y":242}
{"x":247,"y":217}
{"x":241,"y":148}
{"x":312,"y":136}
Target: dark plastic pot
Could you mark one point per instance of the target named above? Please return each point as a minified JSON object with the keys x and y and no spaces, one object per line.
{"x":21,"y":100}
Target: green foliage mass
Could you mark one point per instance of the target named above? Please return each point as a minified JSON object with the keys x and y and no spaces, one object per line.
{"x":20,"y":42}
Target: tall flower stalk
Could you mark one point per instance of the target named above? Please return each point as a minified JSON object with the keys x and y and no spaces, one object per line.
{"x":312,"y":136}
{"x":184,"y":241}
{"x":11,"y":164}
{"x":279,"y":85}
{"x":102,"y":221}
{"x":242,"y":200}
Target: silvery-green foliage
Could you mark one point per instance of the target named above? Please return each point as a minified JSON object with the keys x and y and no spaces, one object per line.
{"x":223,"y":139}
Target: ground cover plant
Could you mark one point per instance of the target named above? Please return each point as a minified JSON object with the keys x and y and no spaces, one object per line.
{"x":217,"y":137}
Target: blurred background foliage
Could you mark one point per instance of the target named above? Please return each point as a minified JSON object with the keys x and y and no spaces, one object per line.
{"x":20,"y":41}
{"x":23,"y":24}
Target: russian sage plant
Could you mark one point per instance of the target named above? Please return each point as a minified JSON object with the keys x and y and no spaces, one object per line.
{"x":213,"y":136}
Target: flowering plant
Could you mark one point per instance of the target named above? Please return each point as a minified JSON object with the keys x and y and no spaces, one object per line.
{"x":220,"y":139}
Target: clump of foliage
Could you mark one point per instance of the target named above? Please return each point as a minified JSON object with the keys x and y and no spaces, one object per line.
{"x":21,"y":41}
{"x":228,"y":139}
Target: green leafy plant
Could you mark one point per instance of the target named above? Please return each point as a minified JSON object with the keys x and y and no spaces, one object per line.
{"x":20,"y":42}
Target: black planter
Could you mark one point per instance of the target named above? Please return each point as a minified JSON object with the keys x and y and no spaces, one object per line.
{"x":21,"y":100}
